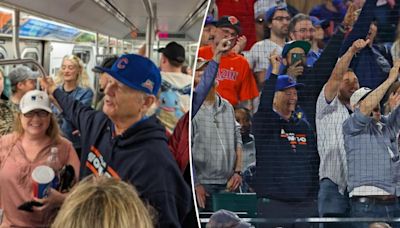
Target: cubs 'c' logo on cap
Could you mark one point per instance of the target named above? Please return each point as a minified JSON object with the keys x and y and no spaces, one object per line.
{"x":233,"y":20}
{"x":148,"y":84}
{"x":122,"y":63}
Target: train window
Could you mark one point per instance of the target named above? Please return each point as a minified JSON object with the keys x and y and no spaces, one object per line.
{"x":84,"y":56}
{"x":31,"y":55}
{"x":3,"y":53}
{"x":83,"y":52}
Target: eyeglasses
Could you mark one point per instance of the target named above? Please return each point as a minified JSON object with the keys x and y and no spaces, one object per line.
{"x":39,"y":113}
{"x":281,"y":18}
{"x":304,"y":30}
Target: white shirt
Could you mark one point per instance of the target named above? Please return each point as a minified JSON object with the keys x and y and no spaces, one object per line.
{"x":329,"y":120}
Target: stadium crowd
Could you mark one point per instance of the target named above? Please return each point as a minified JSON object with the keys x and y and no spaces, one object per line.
{"x":306,"y":91}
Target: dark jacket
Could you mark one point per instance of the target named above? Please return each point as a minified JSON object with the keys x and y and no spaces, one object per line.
{"x":370,"y":65}
{"x":287,"y":156}
{"x":139,"y":156}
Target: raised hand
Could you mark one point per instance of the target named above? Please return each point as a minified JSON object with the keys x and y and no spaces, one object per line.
{"x":359,"y":44}
{"x":394,"y":72}
{"x":275,"y":60}
{"x":296,"y":70}
{"x":350,"y":17}
{"x":394,"y":100}
{"x":223,"y":47}
{"x":47,"y":84}
{"x":240,"y":44}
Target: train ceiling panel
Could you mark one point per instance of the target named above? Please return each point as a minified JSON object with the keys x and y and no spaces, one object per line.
{"x":117,"y":17}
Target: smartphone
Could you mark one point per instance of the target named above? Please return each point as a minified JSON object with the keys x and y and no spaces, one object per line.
{"x":28,"y":206}
{"x":296,"y":57}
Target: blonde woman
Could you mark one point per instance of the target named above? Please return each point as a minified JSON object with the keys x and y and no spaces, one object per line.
{"x":28,"y":146}
{"x":103,"y":202}
{"x":73,"y":80}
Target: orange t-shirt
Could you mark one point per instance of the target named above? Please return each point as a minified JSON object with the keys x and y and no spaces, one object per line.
{"x":235,"y":79}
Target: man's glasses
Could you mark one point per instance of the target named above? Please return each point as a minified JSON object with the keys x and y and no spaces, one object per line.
{"x":304,"y":30}
{"x":39,"y":113}
{"x":281,"y":18}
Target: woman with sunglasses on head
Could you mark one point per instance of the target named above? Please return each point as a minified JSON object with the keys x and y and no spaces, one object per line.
{"x":35,"y":133}
{"x":73,"y":80}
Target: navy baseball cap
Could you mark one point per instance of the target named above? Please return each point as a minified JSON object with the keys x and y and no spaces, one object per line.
{"x":271,"y":11}
{"x":136,"y":72}
{"x":285,"y":82}
{"x":229,"y":22}
{"x":294,"y":44}
{"x":210,"y":21}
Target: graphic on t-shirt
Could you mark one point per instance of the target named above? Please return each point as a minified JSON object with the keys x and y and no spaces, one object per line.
{"x":98,"y":166}
{"x":294,"y":139}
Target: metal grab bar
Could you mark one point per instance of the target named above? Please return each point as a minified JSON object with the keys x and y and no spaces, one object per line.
{"x":23,"y":61}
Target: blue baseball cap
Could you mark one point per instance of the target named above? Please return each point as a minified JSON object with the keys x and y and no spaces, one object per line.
{"x":294,"y":44}
{"x":285,"y":82}
{"x":210,"y":21}
{"x":317,"y":22}
{"x":271,"y":12}
{"x":136,"y":72}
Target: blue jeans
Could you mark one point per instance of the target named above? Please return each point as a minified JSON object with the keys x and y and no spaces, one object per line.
{"x":331,"y":203}
{"x":373,"y":209}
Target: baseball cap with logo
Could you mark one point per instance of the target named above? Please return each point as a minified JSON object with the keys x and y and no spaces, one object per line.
{"x":136,"y":72}
{"x":229,"y":22}
{"x":285,"y":82}
{"x":359,"y":95}
{"x":35,"y":99}
{"x":296,"y":44}
{"x":22,"y":73}
{"x":174,"y":51}
{"x":107,"y":63}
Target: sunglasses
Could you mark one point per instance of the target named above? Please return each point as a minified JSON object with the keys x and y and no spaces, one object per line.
{"x":39,"y":113}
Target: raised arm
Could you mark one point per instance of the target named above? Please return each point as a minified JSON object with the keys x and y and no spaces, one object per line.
{"x":81,"y":116}
{"x":209,"y":75}
{"x":373,"y":99}
{"x":341,"y":67}
{"x":361,"y":27}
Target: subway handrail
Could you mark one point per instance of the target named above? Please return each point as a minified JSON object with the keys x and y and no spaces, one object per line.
{"x":23,"y":61}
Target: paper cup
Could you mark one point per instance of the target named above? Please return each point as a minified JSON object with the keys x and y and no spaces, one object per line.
{"x":42,"y":178}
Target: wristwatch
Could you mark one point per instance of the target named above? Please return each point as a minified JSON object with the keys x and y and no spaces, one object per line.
{"x":238,"y":172}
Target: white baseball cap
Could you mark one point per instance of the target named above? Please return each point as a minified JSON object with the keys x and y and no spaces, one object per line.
{"x":359,"y":95}
{"x":35,"y":99}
